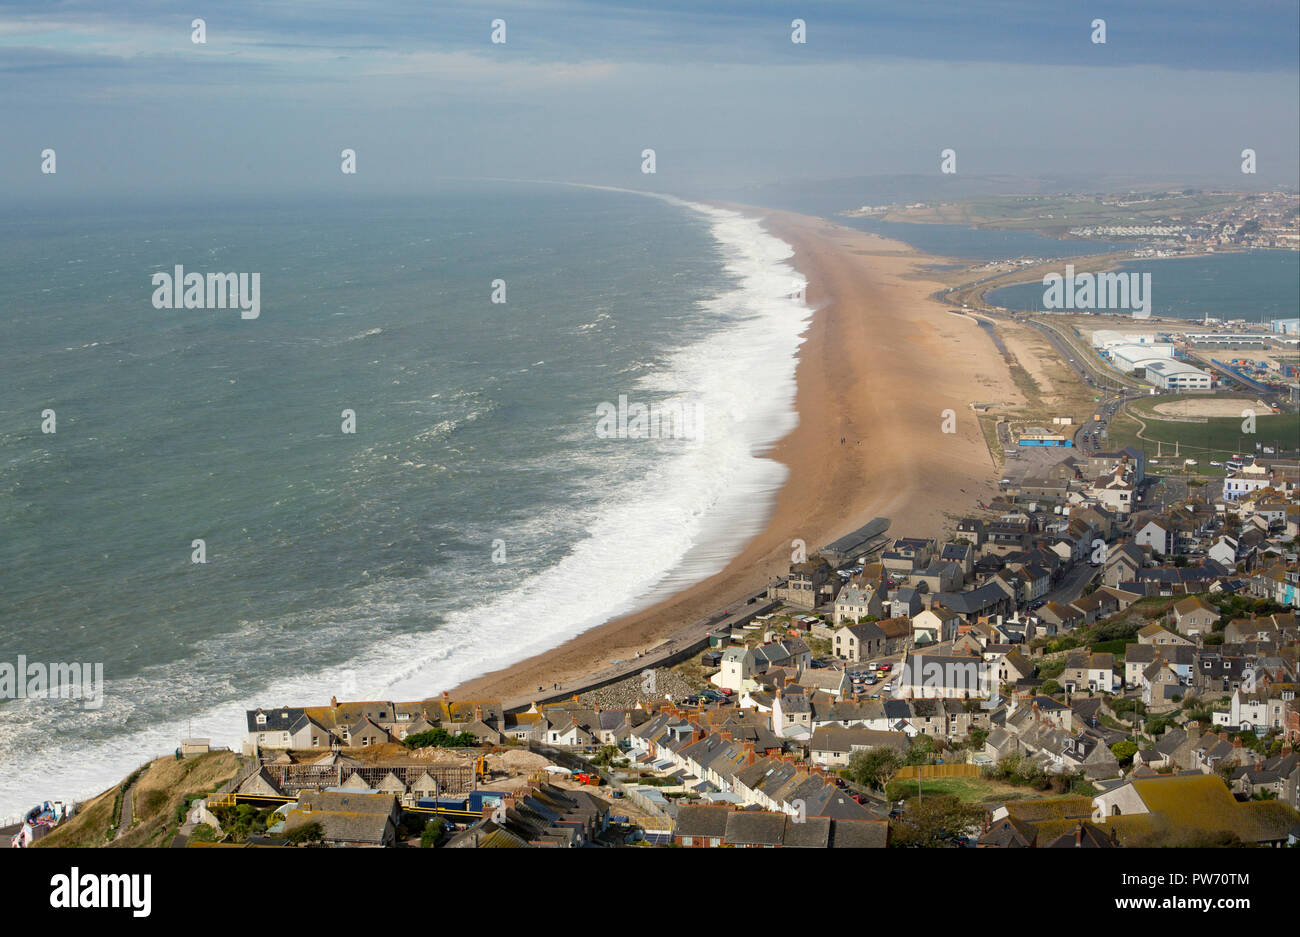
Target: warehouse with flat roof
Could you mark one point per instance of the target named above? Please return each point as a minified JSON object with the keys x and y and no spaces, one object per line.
{"x":1176,"y":375}
{"x":1131,"y":357}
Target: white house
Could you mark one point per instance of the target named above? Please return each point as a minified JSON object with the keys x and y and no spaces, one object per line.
{"x":935,"y":625}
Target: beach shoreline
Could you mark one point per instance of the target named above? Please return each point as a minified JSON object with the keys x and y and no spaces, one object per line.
{"x":883,"y":371}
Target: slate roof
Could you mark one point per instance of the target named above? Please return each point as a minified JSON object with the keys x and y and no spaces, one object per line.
{"x":703,"y":821}
{"x":283,"y":719}
{"x":810,"y":833}
{"x":859,"y":834}
{"x":755,"y":828}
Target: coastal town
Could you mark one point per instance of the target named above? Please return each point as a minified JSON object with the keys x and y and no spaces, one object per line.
{"x":1068,"y":668}
{"x":1179,"y":221}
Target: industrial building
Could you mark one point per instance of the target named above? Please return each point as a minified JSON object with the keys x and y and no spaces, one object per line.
{"x":1226,"y":340}
{"x":1108,"y":338}
{"x":1131,"y":357}
{"x":1169,"y":374}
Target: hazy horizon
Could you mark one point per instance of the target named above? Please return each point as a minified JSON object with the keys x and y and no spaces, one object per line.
{"x":133,"y":107}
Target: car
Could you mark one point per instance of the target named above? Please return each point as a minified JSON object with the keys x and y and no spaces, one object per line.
{"x":884,"y":668}
{"x":726,"y":691}
{"x":691,"y":700}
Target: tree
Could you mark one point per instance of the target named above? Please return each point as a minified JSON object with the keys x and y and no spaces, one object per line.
{"x":606,"y":755}
{"x":934,"y":821}
{"x":432,"y":833}
{"x":875,"y":767}
{"x":919,"y":751}
{"x":1124,"y":751}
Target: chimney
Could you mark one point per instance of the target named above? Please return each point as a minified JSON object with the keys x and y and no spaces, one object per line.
{"x":334,"y":702}
{"x":1078,"y":835}
{"x":478,"y":712}
{"x":1193,"y":731}
{"x":748,"y":748}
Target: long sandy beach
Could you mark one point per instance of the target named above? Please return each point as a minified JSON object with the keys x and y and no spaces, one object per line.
{"x":880,"y":365}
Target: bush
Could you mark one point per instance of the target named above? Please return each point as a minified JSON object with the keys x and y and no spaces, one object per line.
{"x":440,"y":738}
{"x":311,"y":832}
{"x":1115,"y":646}
{"x":1051,"y":668}
{"x":241,"y":821}
{"x":204,"y":833}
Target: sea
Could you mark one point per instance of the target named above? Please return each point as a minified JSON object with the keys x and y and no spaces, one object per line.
{"x":181,"y":501}
{"x":1257,"y":285}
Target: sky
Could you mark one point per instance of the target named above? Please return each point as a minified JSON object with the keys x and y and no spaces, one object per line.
{"x":132,"y":106}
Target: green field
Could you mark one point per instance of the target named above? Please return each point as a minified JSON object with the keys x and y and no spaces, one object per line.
{"x":971,"y":790}
{"x":1217,"y":439}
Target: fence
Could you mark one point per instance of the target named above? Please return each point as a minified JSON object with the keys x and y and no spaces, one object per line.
{"x":451,"y":780}
{"x":931,"y":772}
